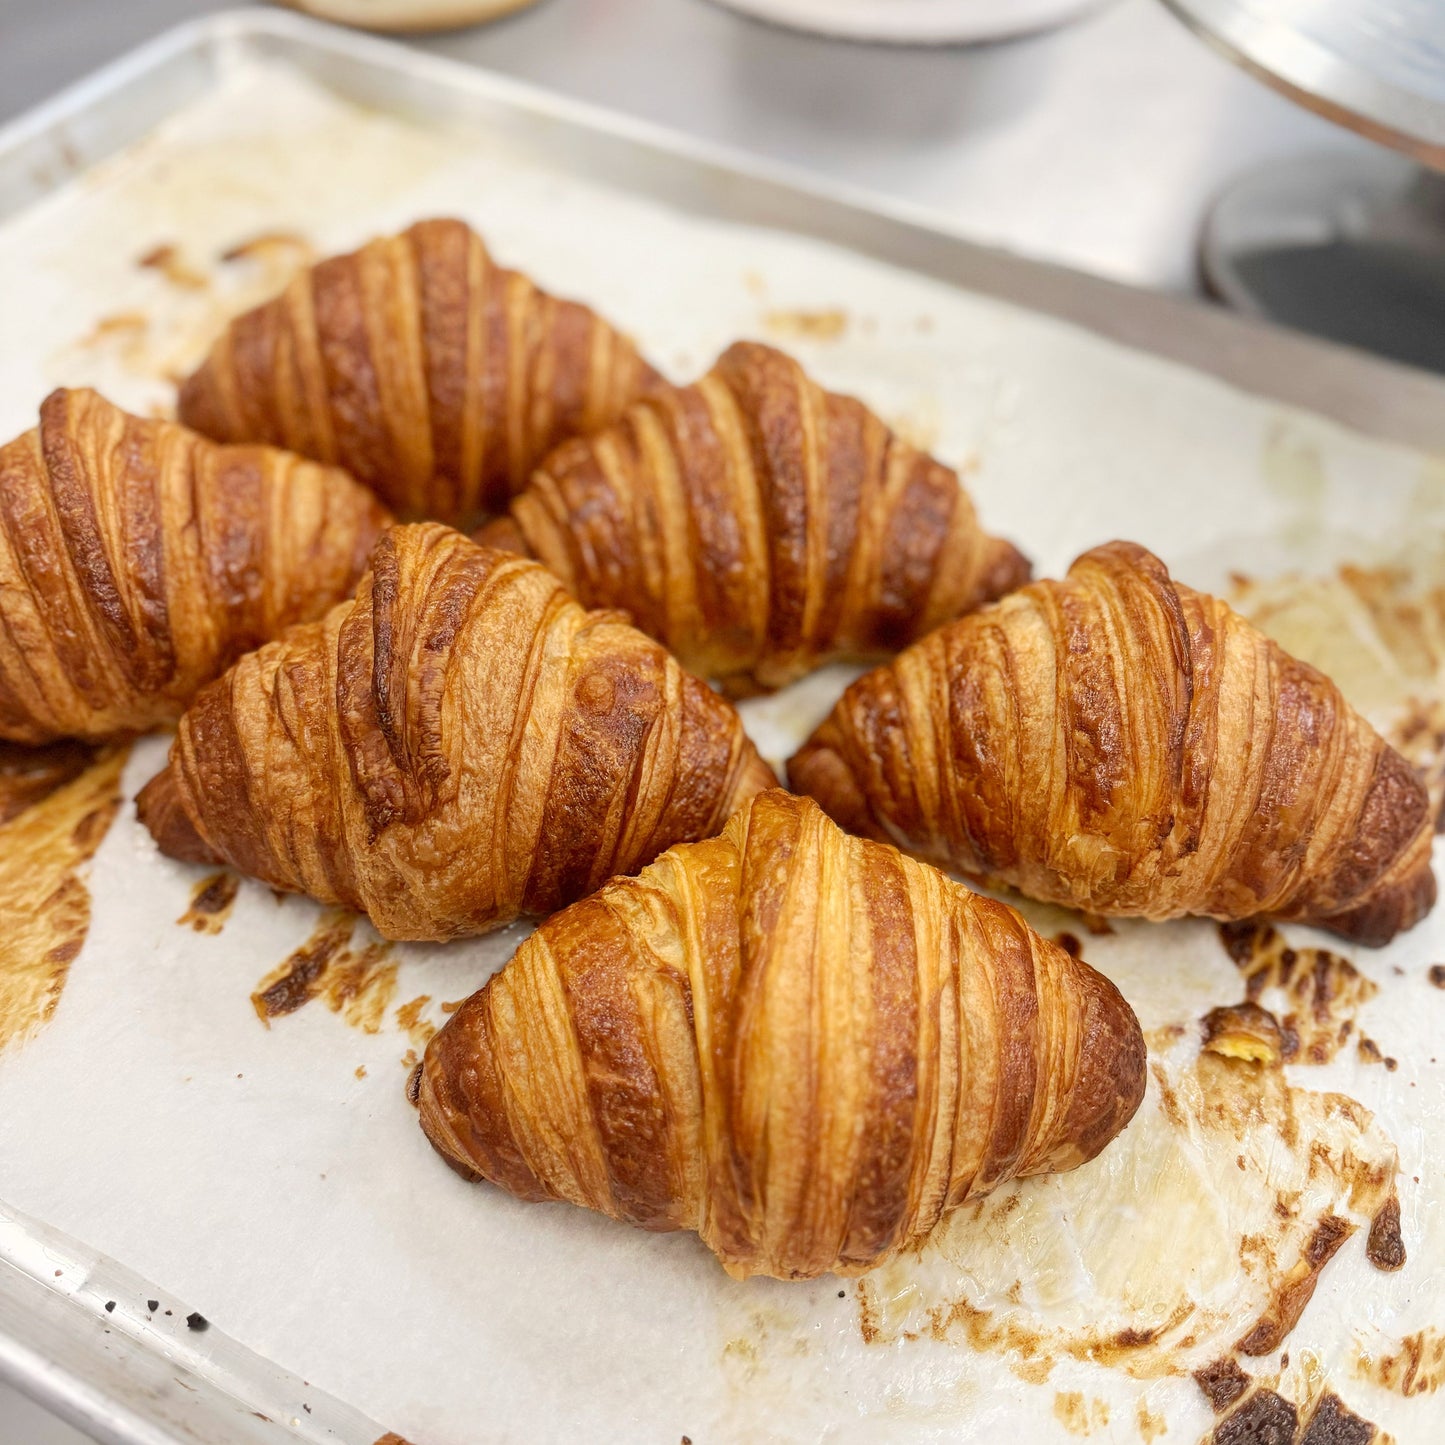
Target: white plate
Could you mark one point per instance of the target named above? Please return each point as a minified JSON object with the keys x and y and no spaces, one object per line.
{"x":915,"y":22}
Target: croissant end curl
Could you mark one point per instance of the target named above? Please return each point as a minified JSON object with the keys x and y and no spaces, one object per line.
{"x":760,"y":526}
{"x":460,"y":744}
{"x":436,"y":376}
{"x":1120,"y":743}
{"x":139,"y":560}
{"x":805,"y":1046}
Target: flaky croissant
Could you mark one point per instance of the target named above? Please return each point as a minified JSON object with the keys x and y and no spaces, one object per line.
{"x":434,"y":375}
{"x":760,"y":526}
{"x":802,"y":1045}
{"x":1120,"y":743}
{"x":139,"y":560}
{"x":459,"y":745}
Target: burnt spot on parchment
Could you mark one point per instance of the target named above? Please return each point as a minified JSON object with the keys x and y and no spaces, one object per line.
{"x":358,"y":984}
{"x":1385,"y":1247}
{"x":211,"y":902}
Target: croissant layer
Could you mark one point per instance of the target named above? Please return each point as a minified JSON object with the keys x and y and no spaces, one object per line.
{"x":804,"y":1046}
{"x":138,"y":560}
{"x":1121,"y":743}
{"x":436,"y":376}
{"x":460,"y":744}
{"x":760,"y":526}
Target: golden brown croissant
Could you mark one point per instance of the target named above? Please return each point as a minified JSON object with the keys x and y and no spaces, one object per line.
{"x":139,"y":560}
{"x":1120,"y":743}
{"x":460,"y":744}
{"x":802,"y":1045}
{"x":436,"y":376}
{"x":760,"y":526}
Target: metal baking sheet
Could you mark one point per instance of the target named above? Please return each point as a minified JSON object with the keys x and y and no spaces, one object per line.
{"x":273,"y":1179}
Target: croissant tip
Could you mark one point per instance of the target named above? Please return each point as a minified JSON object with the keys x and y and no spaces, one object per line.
{"x":1386,"y":913}
{"x":502,"y":534}
{"x":159,"y":807}
{"x":1113,"y":1070}
{"x":817,"y":770}
{"x":1005,"y":570}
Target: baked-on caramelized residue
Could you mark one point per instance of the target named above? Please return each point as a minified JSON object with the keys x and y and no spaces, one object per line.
{"x":409,"y":1018}
{"x":1413,"y":1366}
{"x":1223,"y":1382}
{"x":1297,"y":1288}
{"x":1254,"y":1414}
{"x":211,"y":902}
{"x":1385,"y":1248}
{"x":358,"y":985}
{"x":1332,"y":1423}
{"x":167,"y":259}
{"x":1261,"y":1418}
{"x":1247,"y":1032}
{"x":1323,"y":989}
{"x":292,"y":249}
{"x":44,"y":902}
{"x":29,"y":775}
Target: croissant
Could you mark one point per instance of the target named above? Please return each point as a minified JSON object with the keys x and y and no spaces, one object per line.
{"x":804,"y":1046}
{"x":138,"y":561}
{"x":434,"y":375}
{"x":458,"y":745}
{"x":760,"y":526}
{"x":1120,"y":743}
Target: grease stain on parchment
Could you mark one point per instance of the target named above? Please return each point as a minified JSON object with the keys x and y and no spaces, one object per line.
{"x":58,"y":812}
{"x":1379,"y":631}
{"x":1080,"y":1414}
{"x":1210,"y":1220}
{"x":30,"y":775}
{"x":410,"y":1018}
{"x":196,"y":297}
{"x":1414,"y":1365}
{"x":825,"y":324}
{"x":356,"y":983}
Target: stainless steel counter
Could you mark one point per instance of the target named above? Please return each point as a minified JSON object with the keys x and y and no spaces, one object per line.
{"x":1099,"y":145}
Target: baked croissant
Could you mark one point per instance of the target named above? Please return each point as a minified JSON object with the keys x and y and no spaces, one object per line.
{"x":139,"y":560}
{"x":760,"y":526}
{"x":434,"y":375}
{"x":804,"y":1046}
{"x":1120,"y":743}
{"x":458,"y":745}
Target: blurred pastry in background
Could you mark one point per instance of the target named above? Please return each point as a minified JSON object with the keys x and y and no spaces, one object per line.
{"x":408,"y":15}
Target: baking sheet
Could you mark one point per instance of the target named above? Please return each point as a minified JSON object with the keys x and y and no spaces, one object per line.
{"x":274,"y":1177}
